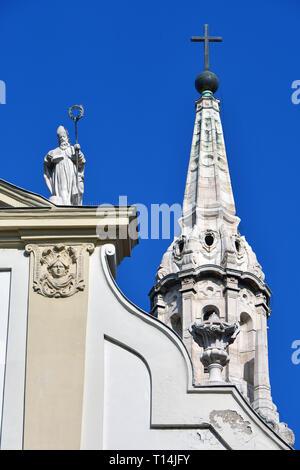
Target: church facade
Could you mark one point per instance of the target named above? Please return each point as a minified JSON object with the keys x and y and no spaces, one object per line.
{"x":84,"y":368}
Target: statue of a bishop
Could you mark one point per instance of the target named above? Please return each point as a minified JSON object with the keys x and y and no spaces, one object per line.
{"x":64,"y":171}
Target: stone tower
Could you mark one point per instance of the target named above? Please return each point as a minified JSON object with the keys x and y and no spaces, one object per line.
{"x":210,"y":270}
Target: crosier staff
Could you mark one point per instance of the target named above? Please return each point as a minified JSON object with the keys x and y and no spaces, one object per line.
{"x":76,"y":112}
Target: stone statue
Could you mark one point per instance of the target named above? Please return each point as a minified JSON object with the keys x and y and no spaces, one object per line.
{"x":60,"y":171}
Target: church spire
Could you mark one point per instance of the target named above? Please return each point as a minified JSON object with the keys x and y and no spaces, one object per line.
{"x":209,"y":270}
{"x":208,"y":185}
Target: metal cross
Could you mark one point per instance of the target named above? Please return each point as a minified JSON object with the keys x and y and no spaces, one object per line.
{"x":206,"y":39}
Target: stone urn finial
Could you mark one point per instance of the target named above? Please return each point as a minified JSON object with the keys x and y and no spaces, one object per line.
{"x":214,"y":336}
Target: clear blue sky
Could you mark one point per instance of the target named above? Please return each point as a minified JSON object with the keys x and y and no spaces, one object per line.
{"x":132,"y":66}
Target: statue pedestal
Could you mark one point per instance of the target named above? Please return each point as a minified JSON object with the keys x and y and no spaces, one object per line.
{"x":56,"y":200}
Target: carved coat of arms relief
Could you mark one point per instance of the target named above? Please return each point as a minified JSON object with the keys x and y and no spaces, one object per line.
{"x":58,"y":269}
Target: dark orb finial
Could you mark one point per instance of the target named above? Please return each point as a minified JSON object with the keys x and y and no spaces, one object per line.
{"x":207,"y":81}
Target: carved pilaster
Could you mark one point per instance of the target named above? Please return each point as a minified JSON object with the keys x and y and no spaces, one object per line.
{"x":233,"y":370}
{"x":188,"y":291}
{"x":263,"y":402}
{"x":262,"y":388}
{"x":158,"y":306}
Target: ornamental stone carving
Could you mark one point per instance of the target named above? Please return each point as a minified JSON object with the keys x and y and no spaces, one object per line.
{"x":58,"y":269}
{"x":209,"y":289}
{"x":214,"y":336}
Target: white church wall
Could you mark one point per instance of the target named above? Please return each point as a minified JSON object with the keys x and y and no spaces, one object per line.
{"x":127,"y":415}
{"x":4,"y":312}
{"x":14,"y":279}
{"x":136,"y":344}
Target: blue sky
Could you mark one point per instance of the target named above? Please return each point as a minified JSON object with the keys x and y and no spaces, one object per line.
{"x":132,"y":66}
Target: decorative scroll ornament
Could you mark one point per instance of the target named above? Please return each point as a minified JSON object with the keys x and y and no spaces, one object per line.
{"x":58,"y":269}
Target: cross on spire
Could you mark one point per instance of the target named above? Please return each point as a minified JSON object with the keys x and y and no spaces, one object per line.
{"x":206,"y":39}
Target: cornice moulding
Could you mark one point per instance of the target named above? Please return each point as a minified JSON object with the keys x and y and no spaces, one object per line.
{"x":50,"y":224}
{"x":216,"y":270}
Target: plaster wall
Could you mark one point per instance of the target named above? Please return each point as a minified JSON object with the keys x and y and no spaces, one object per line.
{"x":14,"y":278}
{"x":138,"y":387}
{"x":55,"y":368}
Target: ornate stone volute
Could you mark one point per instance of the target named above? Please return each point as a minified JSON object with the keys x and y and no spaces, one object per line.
{"x":214,"y":336}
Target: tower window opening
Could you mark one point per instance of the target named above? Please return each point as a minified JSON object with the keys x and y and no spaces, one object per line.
{"x":180,"y":245}
{"x":209,"y":310}
{"x":209,"y":239}
{"x":237,"y":246}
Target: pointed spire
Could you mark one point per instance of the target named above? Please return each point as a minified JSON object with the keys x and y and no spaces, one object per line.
{"x":209,"y":225}
{"x":208,"y":186}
